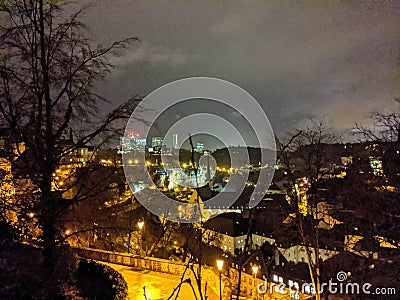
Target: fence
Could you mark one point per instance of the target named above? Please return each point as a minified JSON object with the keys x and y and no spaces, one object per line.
{"x":157,"y":265}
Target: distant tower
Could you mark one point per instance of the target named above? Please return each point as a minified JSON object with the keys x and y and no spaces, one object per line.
{"x":175,"y":141}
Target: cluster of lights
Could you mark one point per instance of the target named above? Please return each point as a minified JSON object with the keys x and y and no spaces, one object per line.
{"x":57,"y":179}
{"x":106,"y":162}
{"x":133,"y":161}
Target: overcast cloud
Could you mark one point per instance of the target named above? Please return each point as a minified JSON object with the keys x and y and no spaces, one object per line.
{"x":299,"y":59}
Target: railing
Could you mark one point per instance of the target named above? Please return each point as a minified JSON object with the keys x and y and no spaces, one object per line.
{"x":153,"y":264}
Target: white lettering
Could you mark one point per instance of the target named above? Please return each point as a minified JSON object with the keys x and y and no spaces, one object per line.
{"x":366,"y":287}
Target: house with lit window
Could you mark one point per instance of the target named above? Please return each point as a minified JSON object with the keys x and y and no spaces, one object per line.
{"x":229,"y":232}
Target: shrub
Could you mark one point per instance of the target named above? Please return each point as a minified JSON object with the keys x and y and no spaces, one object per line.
{"x":98,"y":281}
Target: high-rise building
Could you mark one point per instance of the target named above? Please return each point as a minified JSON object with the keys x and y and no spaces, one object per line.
{"x":141,"y":142}
{"x":131,"y":143}
{"x":199,"y":147}
{"x":175,"y":143}
{"x":126,"y":144}
{"x":156,"y":141}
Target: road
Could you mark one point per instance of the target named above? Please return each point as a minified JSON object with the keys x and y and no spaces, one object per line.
{"x":159,"y":286}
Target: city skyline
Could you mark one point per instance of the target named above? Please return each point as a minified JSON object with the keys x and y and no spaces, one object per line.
{"x":208,"y":156}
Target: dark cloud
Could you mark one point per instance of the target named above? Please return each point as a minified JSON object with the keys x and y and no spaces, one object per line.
{"x":300,"y":59}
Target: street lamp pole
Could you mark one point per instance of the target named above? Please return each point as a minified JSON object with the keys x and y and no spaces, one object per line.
{"x":140,"y":225}
{"x":130,"y":236}
{"x":220,"y":285}
{"x":220,"y":264}
{"x":255,"y":271}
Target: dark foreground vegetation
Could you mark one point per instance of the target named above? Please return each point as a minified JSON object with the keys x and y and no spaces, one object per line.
{"x":22,"y":275}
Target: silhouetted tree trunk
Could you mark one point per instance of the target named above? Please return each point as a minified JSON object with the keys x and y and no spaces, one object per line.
{"x":48,"y":68}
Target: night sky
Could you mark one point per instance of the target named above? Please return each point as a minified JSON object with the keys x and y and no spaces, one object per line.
{"x":300,"y":60}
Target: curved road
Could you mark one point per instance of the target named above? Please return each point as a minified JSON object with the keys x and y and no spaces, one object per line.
{"x":159,"y":286}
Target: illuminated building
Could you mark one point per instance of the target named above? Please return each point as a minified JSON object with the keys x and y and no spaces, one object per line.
{"x":199,"y":147}
{"x":126,"y":144}
{"x":175,"y":143}
{"x":156,"y":141}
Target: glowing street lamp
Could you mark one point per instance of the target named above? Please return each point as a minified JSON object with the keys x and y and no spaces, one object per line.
{"x":255,"y":270}
{"x":140,"y":224}
{"x":220,"y":265}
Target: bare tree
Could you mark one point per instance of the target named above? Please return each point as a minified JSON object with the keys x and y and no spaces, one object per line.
{"x":385,"y":127}
{"x":48,"y":68}
{"x":308,"y":147}
{"x":385,"y":130}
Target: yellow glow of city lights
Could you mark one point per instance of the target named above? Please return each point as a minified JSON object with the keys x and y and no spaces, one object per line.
{"x":184,"y":166}
{"x":67,"y":232}
{"x":60,"y":183}
{"x":136,"y":161}
{"x":148,"y":163}
{"x":31,"y":215}
{"x":220,"y":264}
